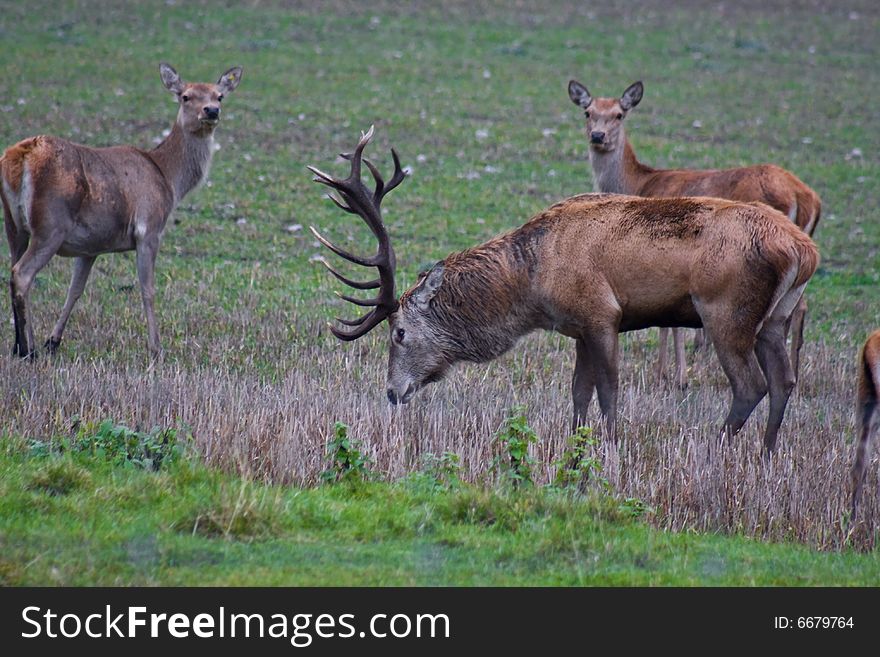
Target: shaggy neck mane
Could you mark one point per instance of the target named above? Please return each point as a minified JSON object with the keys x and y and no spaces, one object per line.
{"x":184,"y":159}
{"x":484,"y":304}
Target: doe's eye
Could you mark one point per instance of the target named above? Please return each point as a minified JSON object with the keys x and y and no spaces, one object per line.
{"x":619,"y":116}
{"x":220,"y":98}
{"x":184,"y":98}
{"x":399,"y":333}
{"x":587,"y":114}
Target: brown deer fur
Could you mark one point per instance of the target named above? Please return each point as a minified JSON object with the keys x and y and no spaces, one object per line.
{"x":591,"y":267}
{"x":77,"y":201}
{"x":866,"y":415}
{"x":617,"y":170}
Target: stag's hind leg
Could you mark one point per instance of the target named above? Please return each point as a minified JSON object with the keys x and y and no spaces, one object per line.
{"x":798,"y":319}
{"x":81,"y":269}
{"x":772,"y":356}
{"x":735,"y":346}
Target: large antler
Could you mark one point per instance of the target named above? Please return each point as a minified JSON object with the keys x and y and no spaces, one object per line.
{"x":357,"y":199}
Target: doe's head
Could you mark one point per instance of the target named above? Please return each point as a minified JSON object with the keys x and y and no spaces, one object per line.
{"x":605,"y":115}
{"x":199,"y":102}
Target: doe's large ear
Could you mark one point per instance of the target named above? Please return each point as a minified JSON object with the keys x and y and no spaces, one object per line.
{"x":229,"y":80}
{"x":632,"y":96}
{"x":579,"y":94}
{"x":423,"y":294}
{"x":170,"y":78}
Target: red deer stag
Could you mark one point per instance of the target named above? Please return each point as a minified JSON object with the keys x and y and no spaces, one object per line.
{"x":617,"y":170}
{"x":590,"y":267}
{"x":77,"y":201}
{"x":866,"y":416}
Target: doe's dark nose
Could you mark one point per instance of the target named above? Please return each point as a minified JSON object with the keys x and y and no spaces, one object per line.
{"x":597,"y":137}
{"x":212,"y":113}
{"x":392,"y":396}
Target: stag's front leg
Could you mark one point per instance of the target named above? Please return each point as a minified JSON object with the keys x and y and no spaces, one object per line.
{"x":147,"y":248}
{"x":81,"y":269}
{"x":582,"y":385}
{"x":602,"y":348}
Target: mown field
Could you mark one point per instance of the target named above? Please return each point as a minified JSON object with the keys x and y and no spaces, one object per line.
{"x":474,"y":99}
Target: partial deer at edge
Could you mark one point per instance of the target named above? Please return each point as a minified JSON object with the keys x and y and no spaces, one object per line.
{"x":77,"y":201}
{"x":867,"y":419}
{"x":617,"y":170}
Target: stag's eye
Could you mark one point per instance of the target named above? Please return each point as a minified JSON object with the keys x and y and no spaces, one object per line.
{"x":587,"y":114}
{"x":619,"y":116}
{"x":184,"y":98}
{"x":399,"y":333}
{"x":220,"y":98}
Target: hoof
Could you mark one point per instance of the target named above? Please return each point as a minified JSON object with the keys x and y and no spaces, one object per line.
{"x":52,"y":345}
{"x":24,"y":355}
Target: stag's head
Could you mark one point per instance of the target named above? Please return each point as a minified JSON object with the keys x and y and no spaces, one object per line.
{"x":605,"y":115}
{"x":199,"y":102}
{"x":416,"y":353}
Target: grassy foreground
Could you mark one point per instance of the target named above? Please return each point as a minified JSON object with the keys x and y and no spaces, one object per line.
{"x":75,"y":519}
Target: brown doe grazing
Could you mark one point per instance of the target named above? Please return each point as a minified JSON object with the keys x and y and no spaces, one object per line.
{"x":590,"y":267}
{"x":77,"y":201}
{"x":866,"y":415}
{"x":617,"y":170}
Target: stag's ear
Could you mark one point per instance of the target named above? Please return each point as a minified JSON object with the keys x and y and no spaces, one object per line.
{"x":579,"y":94}
{"x":429,"y":286}
{"x":170,"y":78}
{"x":631,"y":96}
{"x":229,"y":80}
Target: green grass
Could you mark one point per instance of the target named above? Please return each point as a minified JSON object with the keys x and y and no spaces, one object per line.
{"x":77,"y":520}
{"x":240,"y":305}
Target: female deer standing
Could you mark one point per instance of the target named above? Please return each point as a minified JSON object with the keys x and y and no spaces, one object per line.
{"x":77,"y":201}
{"x":617,"y":170}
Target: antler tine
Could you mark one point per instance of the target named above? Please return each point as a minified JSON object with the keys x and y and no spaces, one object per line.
{"x":399,"y":174}
{"x":342,"y":253}
{"x":366,"y":303}
{"x":341,"y":204}
{"x":358,"y":285}
{"x":355,"y":322}
{"x":355,"y":158}
{"x":321,"y":177}
{"x":370,"y":322}
{"x":380,"y":182}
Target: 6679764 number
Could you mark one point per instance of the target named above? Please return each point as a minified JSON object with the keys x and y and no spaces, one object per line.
{"x":813,"y":622}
